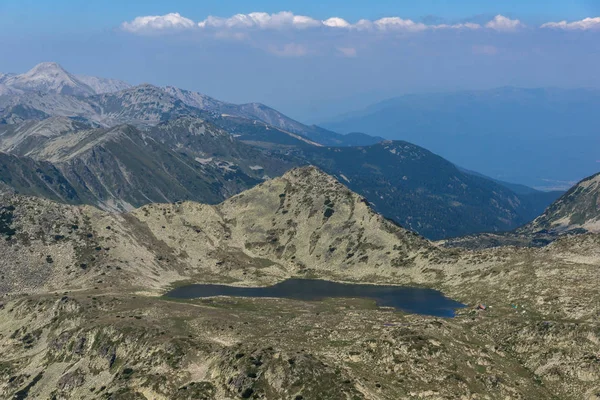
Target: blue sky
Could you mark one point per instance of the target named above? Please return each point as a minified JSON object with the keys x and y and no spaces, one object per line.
{"x":299,"y":62}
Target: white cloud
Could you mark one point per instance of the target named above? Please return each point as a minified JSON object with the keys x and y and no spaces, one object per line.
{"x":584,"y":24}
{"x":503,"y":24}
{"x":261,"y":20}
{"x":229,"y":27}
{"x":349,"y":52}
{"x":336,"y":22}
{"x":172,"y":21}
{"x":286,"y":19}
{"x":395,"y":23}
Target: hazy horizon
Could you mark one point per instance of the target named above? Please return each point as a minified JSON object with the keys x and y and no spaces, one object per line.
{"x":355,"y":55}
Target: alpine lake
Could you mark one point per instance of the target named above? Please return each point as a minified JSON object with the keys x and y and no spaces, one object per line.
{"x":408,"y":299}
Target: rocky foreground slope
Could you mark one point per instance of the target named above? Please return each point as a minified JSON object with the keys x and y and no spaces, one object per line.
{"x":80,"y":317}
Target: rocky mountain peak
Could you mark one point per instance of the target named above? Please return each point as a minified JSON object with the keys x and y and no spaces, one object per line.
{"x":142,"y":91}
{"x":49,"y":77}
{"x":311,"y":176}
{"x":47,"y":67}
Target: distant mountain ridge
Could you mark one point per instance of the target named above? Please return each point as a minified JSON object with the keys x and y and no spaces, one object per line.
{"x":122,"y":167}
{"x":190,"y":158}
{"x":50,"y":77}
{"x":103,"y":85}
{"x":270,"y":116}
{"x":34,"y":95}
{"x":146,"y":144}
{"x":538,"y":137}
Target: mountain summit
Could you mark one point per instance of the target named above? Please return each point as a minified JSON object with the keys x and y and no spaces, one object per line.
{"x":49,"y":77}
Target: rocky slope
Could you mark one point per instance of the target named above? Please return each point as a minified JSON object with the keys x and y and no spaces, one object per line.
{"x":578,"y":209}
{"x":103,"y":85}
{"x":121,"y":168}
{"x":22,"y":139}
{"x":36,"y":178}
{"x":79,"y":317}
{"x":209,"y":144}
{"x":576,"y":212}
{"x":7,"y":90}
{"x":261,"y":135}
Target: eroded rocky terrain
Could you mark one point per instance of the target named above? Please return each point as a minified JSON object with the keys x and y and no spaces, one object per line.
{"x":82,"y":316}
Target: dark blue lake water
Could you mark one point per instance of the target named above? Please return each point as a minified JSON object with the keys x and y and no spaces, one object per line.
{"x":409,"y":299}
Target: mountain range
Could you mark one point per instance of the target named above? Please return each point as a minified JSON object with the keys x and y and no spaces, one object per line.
{"x":108,"y":149}
{"x":538,"y":137}
{"x":122,"y":167}
{"x":48,"y":89}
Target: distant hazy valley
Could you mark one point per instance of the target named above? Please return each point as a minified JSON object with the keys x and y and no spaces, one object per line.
{"x":538,"y":137}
